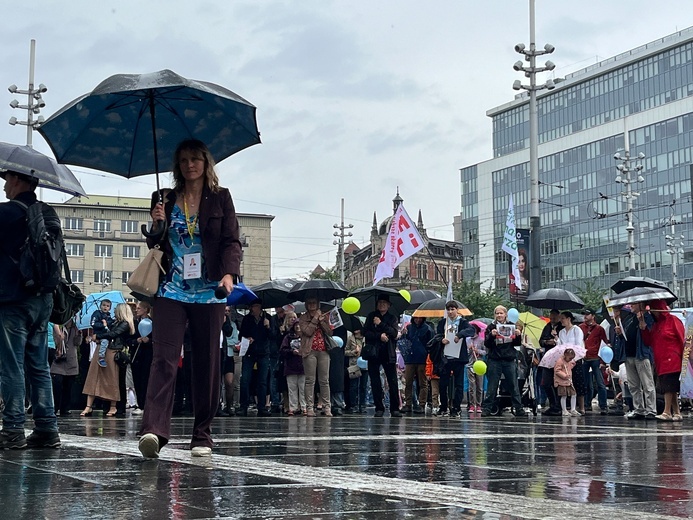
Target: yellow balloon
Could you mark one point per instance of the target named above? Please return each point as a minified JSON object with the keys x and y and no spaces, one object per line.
{"x":351,"y":305}
{"x":405,"y":294}
{"x":479,"y":367}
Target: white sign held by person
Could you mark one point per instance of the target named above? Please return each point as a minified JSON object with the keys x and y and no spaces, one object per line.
{"x":510,"y":240}
{"x":403,"y":241}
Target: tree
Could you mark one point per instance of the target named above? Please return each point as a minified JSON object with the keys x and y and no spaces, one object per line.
{"x":480,"y":302}
{"x":592,"y":294}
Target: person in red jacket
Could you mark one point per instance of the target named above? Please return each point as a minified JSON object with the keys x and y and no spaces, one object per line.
{"x":666,"y":337}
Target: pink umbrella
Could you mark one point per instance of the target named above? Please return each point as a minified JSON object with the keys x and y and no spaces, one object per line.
{"x":482,"y":327}
{"x":551,"y":357}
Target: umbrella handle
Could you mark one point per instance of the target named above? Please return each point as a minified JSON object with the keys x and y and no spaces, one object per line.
{"x":160,"y":225}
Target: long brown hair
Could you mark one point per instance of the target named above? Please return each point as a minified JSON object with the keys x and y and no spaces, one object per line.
{"x":195,"y":146}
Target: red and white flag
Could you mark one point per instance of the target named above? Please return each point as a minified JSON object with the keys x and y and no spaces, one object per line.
{"x":403,"y":241}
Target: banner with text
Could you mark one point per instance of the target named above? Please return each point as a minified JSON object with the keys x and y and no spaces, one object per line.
{"x":403,"y":240}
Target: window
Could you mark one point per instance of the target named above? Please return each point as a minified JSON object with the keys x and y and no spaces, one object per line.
{"x":126,"y":277}
{"x":102,"y":225}
{"x":73,"y":224}
{"x":101,"y":250}
{"x":74,"y":249}
{"x":102,"y":277}
{"x":131,"y":251}
{"x":128,"y":226}
{"x":77,"y":275}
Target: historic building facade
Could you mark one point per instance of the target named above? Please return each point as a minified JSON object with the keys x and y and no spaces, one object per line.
{"x":428,"y":269}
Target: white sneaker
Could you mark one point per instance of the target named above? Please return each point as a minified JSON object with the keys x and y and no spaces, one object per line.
{"x":436,"y":411}
{"x":149,"y":446}
{"x":566,"y":414}
{"x":137,"y":411}
{"x":575,"y":413}
{"x":201,"y":451}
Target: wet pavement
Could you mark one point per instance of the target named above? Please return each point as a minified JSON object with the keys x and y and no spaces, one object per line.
{"x":361,"y":467}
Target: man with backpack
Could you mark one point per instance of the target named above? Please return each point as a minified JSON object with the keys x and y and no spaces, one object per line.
{"x":25,"y":307}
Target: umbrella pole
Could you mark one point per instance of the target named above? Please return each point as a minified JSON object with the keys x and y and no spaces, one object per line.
{"x":160,"y":226}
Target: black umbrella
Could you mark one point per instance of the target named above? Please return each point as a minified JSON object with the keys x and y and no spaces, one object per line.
{"x":275,"y":292}
{"x":368,"y":296}
{"x":644,"y":294}
{"x":554,"y":298}
{"x":631,"y":282}
{"x":29,"y":162}
{"x":320,"y":289}
{"x":131,"y":124}
{"x":419,"y":296}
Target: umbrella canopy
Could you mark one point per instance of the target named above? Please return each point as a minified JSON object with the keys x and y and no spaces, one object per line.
{"x":93,"y":303}
{"x":368,"y":296}
{"x":418,"y":296}
{"x":131,"y":124}
{"x":29,"y":162}
{"x":554,"y":299}
{"x":275,"y":293}
{"x":241,"y":295}
{"x":553,"y":355}
{"x":533,"y":326}
{"x":320,"y":289}
{"x":436,"y":309}
{"x":644,"y":294}
{"x":482,"y":326}
{"x":631,"y":282}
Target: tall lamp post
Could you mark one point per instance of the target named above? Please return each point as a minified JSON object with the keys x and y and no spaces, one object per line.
{"x":34,"y":100}
{"x":341,"y":242}
{"x":627,"y":175}
{"x":530,"y":72}
{"x":675,"y":249}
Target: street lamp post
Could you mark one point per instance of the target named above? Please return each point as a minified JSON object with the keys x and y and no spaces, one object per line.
{"x":627,"y":175}
{"x":341,"y":242}
{"x":675,"y":249}
{"x":34,"y":100}
{"x":530,"y":72}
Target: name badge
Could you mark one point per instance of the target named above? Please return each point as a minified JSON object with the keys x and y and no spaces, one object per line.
{"x":192,"y":266}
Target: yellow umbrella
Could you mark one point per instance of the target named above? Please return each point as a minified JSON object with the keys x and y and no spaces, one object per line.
{"x":436,"y":309}
{"x":532,"y":326}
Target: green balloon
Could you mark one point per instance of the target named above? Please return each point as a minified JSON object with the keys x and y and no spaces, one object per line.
{"x":479,"y":367}
{"x":351,"y":305}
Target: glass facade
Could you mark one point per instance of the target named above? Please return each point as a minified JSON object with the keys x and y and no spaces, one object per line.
{"x":583,"y":210}
{"x":642,"y":85}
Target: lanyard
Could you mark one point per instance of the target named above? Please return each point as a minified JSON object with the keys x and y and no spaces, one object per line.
{"x":188,"y":224}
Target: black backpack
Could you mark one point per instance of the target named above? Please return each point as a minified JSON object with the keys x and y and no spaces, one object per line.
{"x":40,"y":258}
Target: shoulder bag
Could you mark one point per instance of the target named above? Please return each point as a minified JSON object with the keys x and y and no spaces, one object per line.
{"x":145,"y":279}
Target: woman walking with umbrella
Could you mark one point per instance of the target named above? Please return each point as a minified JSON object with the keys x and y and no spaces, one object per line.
{"x":203,"y":252}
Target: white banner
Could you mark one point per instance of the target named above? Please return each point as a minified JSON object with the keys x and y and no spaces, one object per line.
{"x":403,"y":240}
{"x":510,"y":240}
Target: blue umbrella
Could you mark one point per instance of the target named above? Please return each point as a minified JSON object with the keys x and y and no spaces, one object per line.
{"x":93,"y":303}
{"x":240,"y":295}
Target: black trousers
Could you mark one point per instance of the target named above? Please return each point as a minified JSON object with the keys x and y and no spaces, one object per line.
{"x":377,"y":387}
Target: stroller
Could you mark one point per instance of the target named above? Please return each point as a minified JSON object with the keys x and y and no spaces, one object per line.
{"x":525,"y":382}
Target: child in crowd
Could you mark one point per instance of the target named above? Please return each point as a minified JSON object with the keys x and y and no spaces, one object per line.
{"x":434,"y":380}
{"x":358,"y":379}
{"x":100,"y":321}
{"x":476,"y":351}
{"x":293,"y":369}
{"x":563,"y":380}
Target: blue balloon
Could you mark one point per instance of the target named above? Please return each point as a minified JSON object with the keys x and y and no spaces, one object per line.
{"x":338,"y":341}
{"x":362,"y":363}
{"x":513,"y":315}
{"x":145,"y":327}
{"x":606,"y":353}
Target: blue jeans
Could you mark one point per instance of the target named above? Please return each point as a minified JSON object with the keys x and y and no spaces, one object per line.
{"x":263,"y":363}
{"x":601,"y":387}
{"x":496,"y":368}
{"x":357,"y":390}
{"x":103,"y":345}
{"x":24,"y":347}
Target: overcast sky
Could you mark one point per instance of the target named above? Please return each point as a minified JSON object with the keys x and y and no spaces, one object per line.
{"x":354,"y":98}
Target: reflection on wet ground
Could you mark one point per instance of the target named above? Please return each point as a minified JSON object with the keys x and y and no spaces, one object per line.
{"x":361,"y":467}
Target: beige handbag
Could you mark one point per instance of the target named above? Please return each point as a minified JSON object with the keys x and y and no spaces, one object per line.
{"x":145,"y":279}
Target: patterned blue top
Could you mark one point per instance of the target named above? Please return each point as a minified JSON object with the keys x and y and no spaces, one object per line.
{"x":195,"y":290}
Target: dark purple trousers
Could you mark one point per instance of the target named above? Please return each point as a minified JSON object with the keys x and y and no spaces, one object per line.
{"x":204,"y":321}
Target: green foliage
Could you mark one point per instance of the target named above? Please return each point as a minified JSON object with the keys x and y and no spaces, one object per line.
{"x":591,"y":293}
{"x":329,"y":274}
{"x":480,"y":301}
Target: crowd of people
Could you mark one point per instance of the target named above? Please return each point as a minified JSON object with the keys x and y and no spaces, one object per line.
{"x":198,"y":359}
